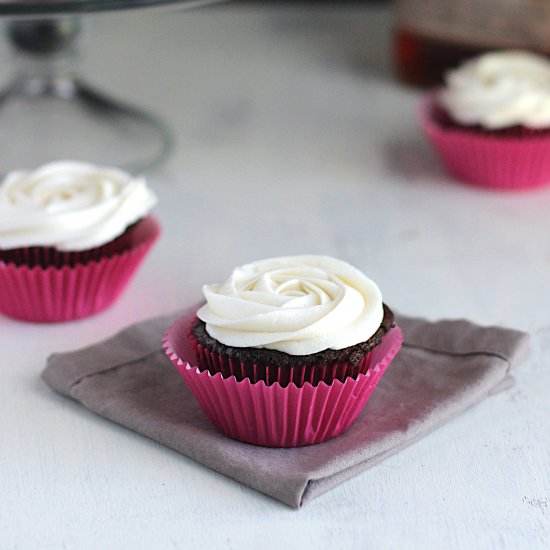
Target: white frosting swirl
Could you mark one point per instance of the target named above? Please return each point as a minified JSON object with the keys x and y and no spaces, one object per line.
{"x":70,"y":205}
{"x":499,"y":90}
{"x":295,"y":304}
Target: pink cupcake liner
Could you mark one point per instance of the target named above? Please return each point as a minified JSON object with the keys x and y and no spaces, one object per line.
{"x":276,"y":416}
{"x":312,"y":374}
{"x":84,"y":286}
{"x":492,"y":160}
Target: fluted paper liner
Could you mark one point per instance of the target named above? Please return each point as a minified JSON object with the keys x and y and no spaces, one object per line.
{"x":496,"y":161}
{"x":276,"y":416}
{"x":84,"y":284}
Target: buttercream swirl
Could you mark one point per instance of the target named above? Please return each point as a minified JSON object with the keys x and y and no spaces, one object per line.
{"x":70,"y":205}
{"x":499,"y":90}
{"x":296,"y":304}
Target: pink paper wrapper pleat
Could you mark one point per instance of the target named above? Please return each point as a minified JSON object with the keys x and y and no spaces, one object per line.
{"x":276,"y":416}
{"x":495,"y":161}
{"x":271,"y":374}
{"x":77,"y":288}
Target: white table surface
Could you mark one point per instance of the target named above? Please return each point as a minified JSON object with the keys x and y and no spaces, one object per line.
{"x":293,"y":137}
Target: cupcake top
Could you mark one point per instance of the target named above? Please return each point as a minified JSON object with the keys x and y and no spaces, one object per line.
{"x":298,"y":305}
{"x":499,"y":90}
{"x":70,"y":205}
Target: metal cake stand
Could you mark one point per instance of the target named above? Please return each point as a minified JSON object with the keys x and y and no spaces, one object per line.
{"x":47,"y":112}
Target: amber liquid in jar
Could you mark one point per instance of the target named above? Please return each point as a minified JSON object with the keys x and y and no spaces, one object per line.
{"x":432,"y":36}
{"x":423,"y":61}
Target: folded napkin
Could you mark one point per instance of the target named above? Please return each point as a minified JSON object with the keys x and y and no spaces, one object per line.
{"x":442,"y":369}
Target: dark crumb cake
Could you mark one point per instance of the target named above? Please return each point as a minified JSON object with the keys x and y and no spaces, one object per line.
{"x":276,"y":366}
{"x":444,"y":120}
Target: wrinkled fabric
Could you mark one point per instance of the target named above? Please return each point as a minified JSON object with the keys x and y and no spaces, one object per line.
{"x":443,"y":368}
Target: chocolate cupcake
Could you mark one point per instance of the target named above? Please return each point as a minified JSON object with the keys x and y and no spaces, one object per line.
{"x":71,"y":236}
{"x":490,"y":123}
{"x":287,"y":351}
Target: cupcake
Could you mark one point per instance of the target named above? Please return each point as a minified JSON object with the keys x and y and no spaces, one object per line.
{"x":491,"y":121}
{"x":287,"y":351}
{"x":71,"y":236}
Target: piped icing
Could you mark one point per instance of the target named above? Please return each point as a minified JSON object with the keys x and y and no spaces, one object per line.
{"x":70,"y":205}
{"x":499,"y":90}
{"x":295,"y":304}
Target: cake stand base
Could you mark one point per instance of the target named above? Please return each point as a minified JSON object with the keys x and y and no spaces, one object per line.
{"x":47,"y":113}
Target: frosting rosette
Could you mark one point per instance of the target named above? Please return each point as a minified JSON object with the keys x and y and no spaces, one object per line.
{"x":298,"y":305}
{"x":70,"y":206}
{"x":499,"y":90}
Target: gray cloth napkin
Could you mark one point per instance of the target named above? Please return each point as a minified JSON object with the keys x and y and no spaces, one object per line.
{"x":442,"y":369}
